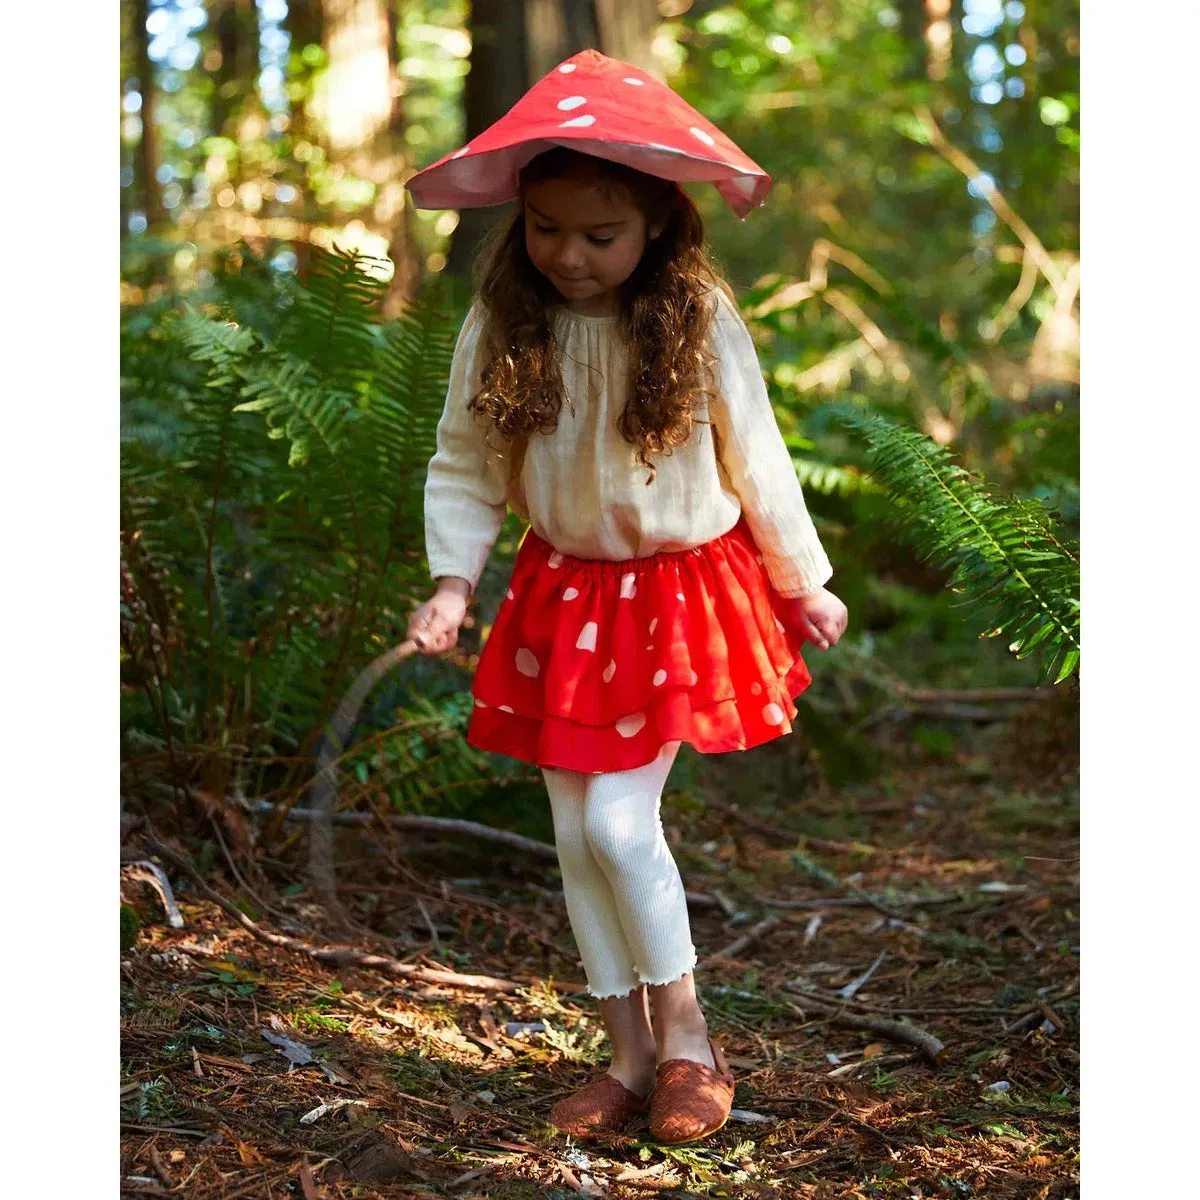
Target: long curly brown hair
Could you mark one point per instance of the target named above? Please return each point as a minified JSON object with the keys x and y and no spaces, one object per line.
{"x":664,"y":311}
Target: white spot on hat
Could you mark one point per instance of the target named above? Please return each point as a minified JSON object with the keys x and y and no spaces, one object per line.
{"x":610,"y":671}
{"x":662,"y":146}
{"x":567,"y":68}
{"x":706,"y":138}
{"x":460,"y":153}
{"x":587,"y":637}
{"x":660,"y":677}
{"x":570,"y":593}
{"x":628,"y":726}
{"x":578,"y":121}
{"x":526,"y":663}
{"x":555,"y":560}
{"x":628,"y":586}
{"x":572,"y":102}
{"x":635,"y":82}
{"x":773,"y":714}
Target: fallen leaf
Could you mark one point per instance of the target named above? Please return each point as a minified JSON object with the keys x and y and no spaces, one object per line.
{"x":875,"y":1048}
{"x":297,"y":1053}
{"x":460,"y":1109}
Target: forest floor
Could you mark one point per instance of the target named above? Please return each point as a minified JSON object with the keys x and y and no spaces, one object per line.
{"x":253,"y":1070}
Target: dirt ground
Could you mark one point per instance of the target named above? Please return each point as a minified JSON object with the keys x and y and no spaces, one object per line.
{"x":942,"y":893}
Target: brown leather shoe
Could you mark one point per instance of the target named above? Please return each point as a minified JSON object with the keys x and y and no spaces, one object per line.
{"x":690,"y":1100}
{"x":603,"y":1106}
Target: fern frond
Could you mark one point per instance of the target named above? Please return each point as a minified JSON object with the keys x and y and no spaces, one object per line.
{"x":1006,"y":554}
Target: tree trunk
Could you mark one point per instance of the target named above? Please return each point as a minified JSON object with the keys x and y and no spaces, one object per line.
{"x":146,"y":161}
{"x":359,"y":115}
{"x":497,"y":80}
{"x":627,"y":29}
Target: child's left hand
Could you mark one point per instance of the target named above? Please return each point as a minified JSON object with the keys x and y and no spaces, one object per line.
{"x":821,"y":617}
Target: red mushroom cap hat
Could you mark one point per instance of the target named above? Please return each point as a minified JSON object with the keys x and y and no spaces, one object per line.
{"x":603,"y":107}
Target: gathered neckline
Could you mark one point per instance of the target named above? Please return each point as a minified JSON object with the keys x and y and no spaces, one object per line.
{"x":576,"y":316}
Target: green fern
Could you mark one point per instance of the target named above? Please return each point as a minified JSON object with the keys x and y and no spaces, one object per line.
{"x":272,"y":516}
{"x":1007,"y":555}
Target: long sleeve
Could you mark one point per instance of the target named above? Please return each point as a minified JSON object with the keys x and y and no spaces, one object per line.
{"x":466,"y":484}
{"x":758,"y":464}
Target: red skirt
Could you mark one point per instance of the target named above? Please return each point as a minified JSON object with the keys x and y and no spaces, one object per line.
{"x":593,"y":666}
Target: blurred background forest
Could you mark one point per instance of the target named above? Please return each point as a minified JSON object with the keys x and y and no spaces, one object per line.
{"x":287,"y":318}
{"x":287,"y":323}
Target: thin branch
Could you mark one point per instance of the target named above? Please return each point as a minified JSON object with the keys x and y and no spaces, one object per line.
{"x":338,"y":956}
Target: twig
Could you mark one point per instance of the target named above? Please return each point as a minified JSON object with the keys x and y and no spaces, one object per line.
{"x":324,"y":787}
{"x":899,"y":1031}
{"x":154,"y":875}
{"x":854,"y":902}
{"x":335,"y":955}
{"x":432,"y":825}
{"x":847,"y":993}
{"x":739,"y":944}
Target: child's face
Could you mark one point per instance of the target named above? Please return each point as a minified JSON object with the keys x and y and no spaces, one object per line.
{"x":586,"y":239}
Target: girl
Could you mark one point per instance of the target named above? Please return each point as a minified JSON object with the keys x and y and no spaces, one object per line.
{"x":604,"y":386}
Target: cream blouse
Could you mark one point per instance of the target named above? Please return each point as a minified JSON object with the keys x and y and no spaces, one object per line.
{"x":581,"y":487}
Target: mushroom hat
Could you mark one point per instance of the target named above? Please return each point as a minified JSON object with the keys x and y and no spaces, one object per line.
{"x":599,"y":106}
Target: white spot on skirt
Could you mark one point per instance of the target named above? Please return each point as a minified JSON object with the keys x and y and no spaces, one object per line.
{"x":505,"y":708}
{"x":756,"y":689}
{"x":587,"y":637}
{"x":610,"y":671}
{"x":527,"y":664}
{"x":654,"y":625}
{"x":555,"y":560}
{"x":773,"y":714}
{"x":660,"y":677}
{"x":779,"y":625}
{"x":628,"y":586}
{"x":758,"y":558}
{"x":480,"y":704}
{"x":570,"y":593}
{"x":509,"y":594}
{"x":678,"y":595}
{"x":628,"y":726}
{"x":650,"y":647}
{"x":694,"y":679}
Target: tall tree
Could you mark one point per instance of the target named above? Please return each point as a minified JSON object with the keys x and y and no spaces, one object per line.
{"x":146,"y":168}
{"x":359,"y":109}
{"x":497,"y":79}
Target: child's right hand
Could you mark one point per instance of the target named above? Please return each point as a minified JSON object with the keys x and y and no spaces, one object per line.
{"x":434,"y":626}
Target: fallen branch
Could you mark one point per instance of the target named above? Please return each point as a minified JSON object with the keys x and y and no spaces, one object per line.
{"x":324,"y":786}
{"x":434,"y":825}
{"x":854,"y":902}
{"x":898,"y":1031}
{"x":752,"y":935}
{"x":338,"y":956}
{"x":154,"y":875}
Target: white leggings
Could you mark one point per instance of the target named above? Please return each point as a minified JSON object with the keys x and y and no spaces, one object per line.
{"x":624,"y":895}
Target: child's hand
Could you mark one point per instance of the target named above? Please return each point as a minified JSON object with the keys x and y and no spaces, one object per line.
{"x":821,"y":617}
{"x":435,"y":625}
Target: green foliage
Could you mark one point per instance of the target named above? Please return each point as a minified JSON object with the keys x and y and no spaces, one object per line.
{"x":1006,"y":554}
{"x":130,"y":924}
{"x":271,"y":523}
